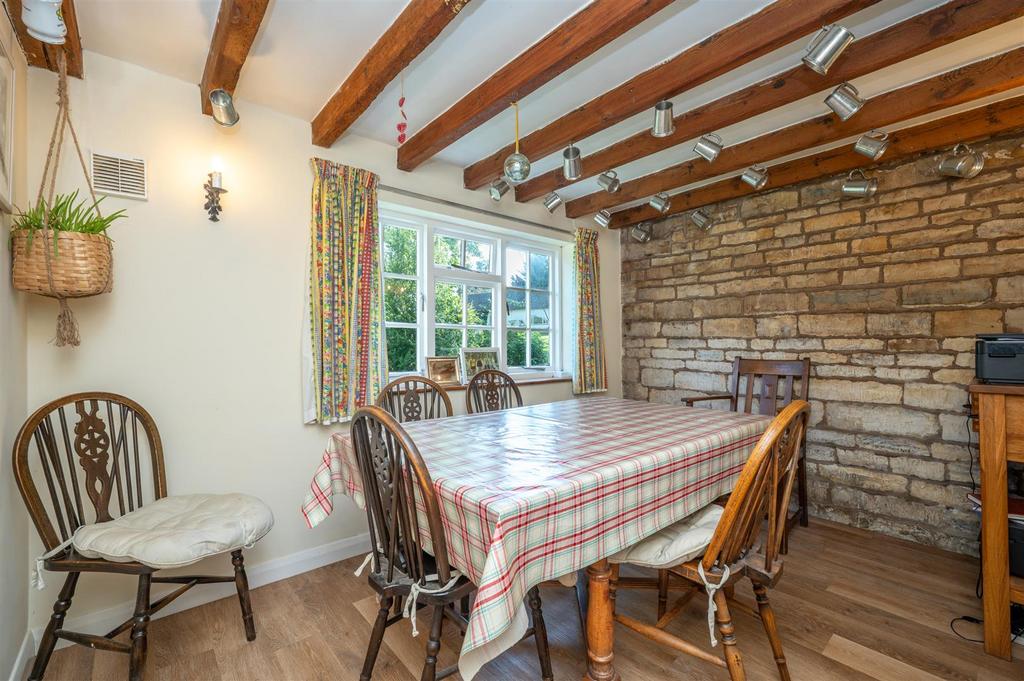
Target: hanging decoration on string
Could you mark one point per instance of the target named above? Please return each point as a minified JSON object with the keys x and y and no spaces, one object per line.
{"x":403,"y":125}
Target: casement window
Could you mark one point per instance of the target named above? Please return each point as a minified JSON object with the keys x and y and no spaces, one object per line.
{"x":449,"y":286}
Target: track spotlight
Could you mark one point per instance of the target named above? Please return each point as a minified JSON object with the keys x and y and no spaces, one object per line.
{"x":826,"y":47}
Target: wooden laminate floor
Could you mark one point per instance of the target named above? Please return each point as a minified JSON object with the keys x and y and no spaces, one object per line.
{"x":851,"y":605}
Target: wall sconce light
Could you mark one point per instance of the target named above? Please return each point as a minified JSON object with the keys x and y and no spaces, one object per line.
{"x":214,"y":188}
{"x":222,"y":105}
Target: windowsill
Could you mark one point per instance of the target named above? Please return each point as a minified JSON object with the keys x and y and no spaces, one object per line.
{"x":562,"y":378}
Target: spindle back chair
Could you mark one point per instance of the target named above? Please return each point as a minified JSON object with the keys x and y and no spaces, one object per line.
{"x":492,"y":390}
{"x":401,"y":503}
{"x":87,"y":458}
{"x":414,"y":398}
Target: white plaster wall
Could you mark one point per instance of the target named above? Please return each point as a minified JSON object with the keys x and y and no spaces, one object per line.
{"x":204,"y":324}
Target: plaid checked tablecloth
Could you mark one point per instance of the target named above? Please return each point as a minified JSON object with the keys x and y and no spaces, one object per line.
{"x":536,"y":493}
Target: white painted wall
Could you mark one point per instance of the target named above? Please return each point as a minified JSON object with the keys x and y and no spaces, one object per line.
{"x":204,"y":324}
{"x":13,"y":519}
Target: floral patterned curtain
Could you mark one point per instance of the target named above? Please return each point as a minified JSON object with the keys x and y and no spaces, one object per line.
{"x":589,"y":374}
{"x":345,"y":363}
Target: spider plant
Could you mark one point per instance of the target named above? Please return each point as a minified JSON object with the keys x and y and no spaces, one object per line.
{"x":68,"y":214}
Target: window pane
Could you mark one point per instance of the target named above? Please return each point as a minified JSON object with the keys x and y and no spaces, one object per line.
{"x":478,"y":338}
{"x":479,"y":305}
{"x":478,"y":256}
{"x":400,"y":301}
{"x":515,"y":349}
{"x":399,"y":250}
{"x":447,"y":251}
{"x":515,"y":307}
{"x":516,"y":275}
{"x":540,"y":271}
{"x":401,"y":349}
{"x":540,"y":308}
{"x":447,"y":342}
{"x":540,"y":349}
{"x":447,"y":303}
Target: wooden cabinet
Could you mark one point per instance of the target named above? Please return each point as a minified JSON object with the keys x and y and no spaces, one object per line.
{"x":1000,"y":425}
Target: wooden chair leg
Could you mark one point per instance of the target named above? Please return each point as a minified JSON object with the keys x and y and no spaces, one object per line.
{"x":49,"y":639}
{"x":662,"y":593}
{"x":433,"y":645}
{"x":540,"y":634}
{"x":727,"y":633}
{"x":242,"y":586}
{"x":140,"y":621}
{"x":770,"y":628}
{"x":376,"y":637}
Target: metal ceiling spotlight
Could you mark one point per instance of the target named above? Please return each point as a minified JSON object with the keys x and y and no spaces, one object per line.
{"x":642,"y":233}
{"x":572,"y":163}
{"x":609,"y":181}
{"x":663,"y":124}
{"x":517,"y":166}
{"x":964,"y":162}
{"x":223,"y":107}
{"x":872,"y":144}
{"x":603,"y":218}
{"x":552,"y":201}
{"x":844,"y":101}
{"x":858,"y":186}
{"x":701,"y":219}
{"x":660,"y":202}
{"x":826,"y":47}
{"x":498,"y":189}
{"x":755,"y":176}
{"x":708,"y":147}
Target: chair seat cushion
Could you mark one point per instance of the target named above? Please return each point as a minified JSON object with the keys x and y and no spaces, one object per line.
{"x":179,"y":530}
{"x":677,"y":543}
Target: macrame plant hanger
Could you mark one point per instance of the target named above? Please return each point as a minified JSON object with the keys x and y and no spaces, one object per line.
{"x":67,"y":325}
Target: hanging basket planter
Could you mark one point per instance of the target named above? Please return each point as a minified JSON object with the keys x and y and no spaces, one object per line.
{"x":81,"y":264}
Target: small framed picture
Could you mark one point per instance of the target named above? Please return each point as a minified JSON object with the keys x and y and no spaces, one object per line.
{"x":475,"y":360}
{"x":444,"y":370}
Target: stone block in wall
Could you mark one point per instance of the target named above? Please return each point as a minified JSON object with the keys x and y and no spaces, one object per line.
{"x":968,"y":322}
{"x":899,"y":324}
{"x":902,"y":345}
{"x":762,"y":303}
{"x":717,"y":307}
{"x":742,"y":327}
{"x":844,"y":324}
{"x":994,"y":264}
{"x":862,"y":478}
{"x":1010,"y":290}
{"x":864,"y":299}
{"x":871,"y":392}
{"x":958,"y":292}
{"x":901,"y":446}
{"x":780,"y":326}
{"x":935,"y":396}
{"x":681,"y":329}
{"x":953,"y":496}
{"x":927,"y":469}
{"x":889,"y":420}
{"x":955,"y":428}
{"x":921,"y":271}
{"x":1015,"y":320}
{"x":693,"y":380}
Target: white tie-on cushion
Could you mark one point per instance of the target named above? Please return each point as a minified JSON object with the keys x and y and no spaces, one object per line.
{"x":176,"y":531}
{"x":677,"y":543}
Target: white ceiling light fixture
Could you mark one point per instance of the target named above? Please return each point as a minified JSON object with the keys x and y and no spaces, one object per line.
{"x":826,"y":47}
{"x":663,"y":124}
{"x":517,"y":166}
{"x":222,"y":105}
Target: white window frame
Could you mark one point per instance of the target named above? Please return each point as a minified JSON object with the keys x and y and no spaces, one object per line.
{"x":554,"y":312}
{"x":428,"y":273}
{"x":418,"y":278}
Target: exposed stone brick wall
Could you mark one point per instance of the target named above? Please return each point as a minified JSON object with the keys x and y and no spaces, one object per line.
{"x":884,"y":295}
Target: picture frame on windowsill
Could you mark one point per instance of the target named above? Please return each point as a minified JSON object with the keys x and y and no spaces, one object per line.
{"x":446,"y":371}
{"x":475,"y":360}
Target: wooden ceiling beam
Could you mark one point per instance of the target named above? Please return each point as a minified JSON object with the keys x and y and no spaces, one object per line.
{"x":965,"y":84}
{"x":238,"y":22}
{"x":976,"y":124}
{"x":43,"y":55}
{"x":930,"y":30}
{"x":415,"y":28}
{"x":575,"y":39}
{"x":777,"y":25}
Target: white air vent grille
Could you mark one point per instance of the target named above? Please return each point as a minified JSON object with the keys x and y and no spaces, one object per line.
{"x":119,"y":175}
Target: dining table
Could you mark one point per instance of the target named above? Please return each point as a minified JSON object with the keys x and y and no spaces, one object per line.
{"x":537,"y":493}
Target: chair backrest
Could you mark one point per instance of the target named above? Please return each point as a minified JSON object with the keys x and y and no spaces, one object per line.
{"x":763,"y":378}
{"x":394,"y":476}
{"x":90,"y":447}
{"x":492,"y":390}
{"x":762,"y":491}
{"x":414,"y":398}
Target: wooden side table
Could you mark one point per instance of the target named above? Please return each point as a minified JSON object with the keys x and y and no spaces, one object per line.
{"x":1000,"y":425}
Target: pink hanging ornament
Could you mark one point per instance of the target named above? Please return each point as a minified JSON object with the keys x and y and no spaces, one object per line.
{"x":403,"y":124}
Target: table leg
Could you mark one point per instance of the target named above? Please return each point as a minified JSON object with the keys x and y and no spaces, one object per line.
{"x":600,"y":625}
{"x":995,"y":559}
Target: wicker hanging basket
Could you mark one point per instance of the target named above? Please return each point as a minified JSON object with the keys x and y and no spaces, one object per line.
{"x":82,"y":266}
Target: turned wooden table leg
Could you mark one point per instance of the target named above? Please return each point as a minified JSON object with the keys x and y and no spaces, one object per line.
{"x":600,"y":623}
{"x":995,"y":561}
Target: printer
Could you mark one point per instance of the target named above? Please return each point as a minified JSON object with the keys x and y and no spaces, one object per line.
{"x":999,"y":358}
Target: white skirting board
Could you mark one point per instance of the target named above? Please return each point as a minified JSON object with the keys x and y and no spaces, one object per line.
{"x":263,"y":573}
{"x":25,"y":654}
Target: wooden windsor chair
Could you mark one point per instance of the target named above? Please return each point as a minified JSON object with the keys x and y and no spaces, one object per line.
{"x":714,"y":560}
{"x":492,"y":390}
{"x":414,"y":398}
{"x":99,"y":459}
{"x":403,"y":567}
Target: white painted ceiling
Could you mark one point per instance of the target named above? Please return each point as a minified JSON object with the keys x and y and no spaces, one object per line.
{"x":306,"y":48}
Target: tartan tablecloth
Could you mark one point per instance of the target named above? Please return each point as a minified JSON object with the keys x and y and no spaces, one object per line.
{"x":535,"y":493}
